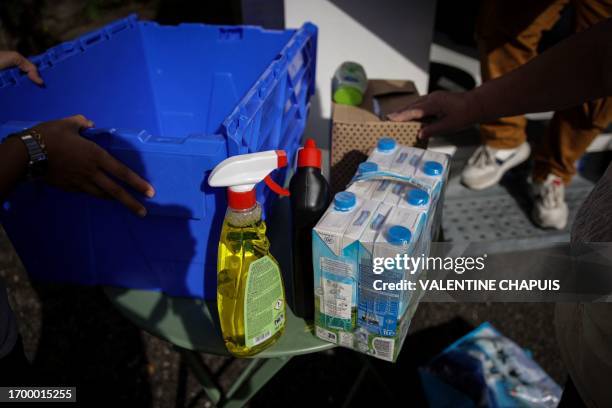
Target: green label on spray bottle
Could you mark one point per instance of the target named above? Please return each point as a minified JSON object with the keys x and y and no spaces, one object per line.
{"x":264,"y":303}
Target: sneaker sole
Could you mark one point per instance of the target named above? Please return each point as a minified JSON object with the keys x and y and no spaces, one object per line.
{"x":519,"y":158}
{"x":551,"y":226}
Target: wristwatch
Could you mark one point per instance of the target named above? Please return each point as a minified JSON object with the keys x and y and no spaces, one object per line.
{"x":37,"y":152}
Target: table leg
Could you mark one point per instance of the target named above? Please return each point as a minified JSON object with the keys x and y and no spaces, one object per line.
{"x":255,"y":375}
{"x":202,"y":374}
{"x":252,"y":379}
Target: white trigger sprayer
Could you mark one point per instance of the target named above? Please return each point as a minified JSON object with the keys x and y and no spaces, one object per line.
{"x":241,"y":173}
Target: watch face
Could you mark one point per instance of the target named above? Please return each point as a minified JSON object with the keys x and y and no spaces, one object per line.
{"x":37,"y":166}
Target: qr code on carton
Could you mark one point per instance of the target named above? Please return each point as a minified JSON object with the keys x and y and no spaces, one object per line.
{"x":346,"y":339}
{"x":326,"y":335}
{"x":383,"y":348}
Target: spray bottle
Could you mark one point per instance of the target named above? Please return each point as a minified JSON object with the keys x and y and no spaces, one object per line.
{"x":250,"y":290}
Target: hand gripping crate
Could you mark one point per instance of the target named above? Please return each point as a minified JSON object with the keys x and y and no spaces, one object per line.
{"x":170,"y":102}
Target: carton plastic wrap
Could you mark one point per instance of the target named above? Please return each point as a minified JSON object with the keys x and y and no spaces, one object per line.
{"x":351,"y":307}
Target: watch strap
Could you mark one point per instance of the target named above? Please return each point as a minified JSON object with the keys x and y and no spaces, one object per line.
{"x":37,"y":152}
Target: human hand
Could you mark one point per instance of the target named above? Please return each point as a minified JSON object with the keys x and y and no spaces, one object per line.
{"x":14,"y":59}
{"x":449,"y":111}
{"x":78,"y":164}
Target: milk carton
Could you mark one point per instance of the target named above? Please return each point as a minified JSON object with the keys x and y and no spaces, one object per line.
{"x":420,"y":200}
{"x":415,"y":198}
{"x":432,"y":171}
{"x":386,"y":191}
{"x":392,"y":211}
{"x":390,"y":191}
{"x":406,"y":160}
{"x":379,"y":309}
{"x":396,"y":192}
{"x":384,"y":153}
{"x":383,"y":347}
{"x":380,"y":189}
{"x":351,"y":241}
{"x":364,"y":188}
{"x":405,"y":163}
{"x":369,"y":235}
{"x":335,"y":263}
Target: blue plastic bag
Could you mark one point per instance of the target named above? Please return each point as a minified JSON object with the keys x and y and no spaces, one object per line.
{"x":486,"y":369}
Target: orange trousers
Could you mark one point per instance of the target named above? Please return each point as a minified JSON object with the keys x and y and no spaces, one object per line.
{"x":508,"y":33}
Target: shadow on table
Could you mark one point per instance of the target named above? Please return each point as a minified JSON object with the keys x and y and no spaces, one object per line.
{"x":334,"y":378}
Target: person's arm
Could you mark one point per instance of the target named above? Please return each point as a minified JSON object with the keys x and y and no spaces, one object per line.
{"x":578,"y":69}
{"x":74,"y":164}
{"x":13,"y":153}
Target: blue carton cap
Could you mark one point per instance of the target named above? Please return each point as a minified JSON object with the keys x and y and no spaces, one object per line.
{"x":344,"y":201}
{"x":367,"y":167}
{"x":398,"y":235}
{"x":417,"y":197}
{"x":433,"y":168}
{"x":386,"y":144}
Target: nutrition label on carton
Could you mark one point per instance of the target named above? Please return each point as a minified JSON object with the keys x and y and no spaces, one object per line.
{"x":337,"y":299}
{"x":337,"y":285}
{"x":264,"y":311}
{"x":336,"y":267}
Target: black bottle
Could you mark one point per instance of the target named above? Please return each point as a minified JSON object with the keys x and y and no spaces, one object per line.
{"x":310,"y":195}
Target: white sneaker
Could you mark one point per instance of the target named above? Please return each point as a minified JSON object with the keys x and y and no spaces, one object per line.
{"x":549,"y":207}
{"x":487,"y":165}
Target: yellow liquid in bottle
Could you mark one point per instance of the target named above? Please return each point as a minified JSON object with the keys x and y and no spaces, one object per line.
{"x":243,"y":241}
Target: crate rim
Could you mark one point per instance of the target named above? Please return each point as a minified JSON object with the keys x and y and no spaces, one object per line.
{"x":233,"y":124}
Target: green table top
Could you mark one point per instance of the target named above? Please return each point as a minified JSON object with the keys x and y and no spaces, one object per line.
{"x":193,"y":323}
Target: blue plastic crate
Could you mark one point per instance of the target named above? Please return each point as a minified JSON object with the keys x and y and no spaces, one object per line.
{"x":171,"y":102}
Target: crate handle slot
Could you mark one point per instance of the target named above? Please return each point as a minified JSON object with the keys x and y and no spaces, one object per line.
{"x":263,"y":91}
{"x":243,"y":121}
{"x":117,"y":28}
{"x":42,"y":61}
{"x":13,"y":76}
{"x":230,"y":33}
{"x":276,"y":70}
{"x":233,"y":126}
{"x":63,"y":51}
{"x":7,"y":78}
{"x":91,"y":40}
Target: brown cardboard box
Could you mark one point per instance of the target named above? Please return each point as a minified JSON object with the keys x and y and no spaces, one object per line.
{"x":356,"y":129}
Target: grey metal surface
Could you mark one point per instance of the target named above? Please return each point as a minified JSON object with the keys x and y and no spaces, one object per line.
{"x":501,"y":214}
